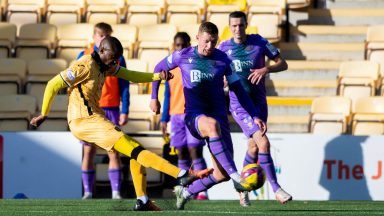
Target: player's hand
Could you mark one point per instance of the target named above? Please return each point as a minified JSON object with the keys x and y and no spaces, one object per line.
{"x":166,"y":75}
{"x":155,"y":106}
{"x":257,"y":74}
{"x":123,"y":119}
{"x":37,"y":121}
{"x":163,"y":127}
{"x":262,"y":125}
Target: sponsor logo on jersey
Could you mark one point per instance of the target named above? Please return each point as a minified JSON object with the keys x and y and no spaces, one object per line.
{"x":70,"y":75}
{"x":238,"y":65}
{"x":197,"y":76}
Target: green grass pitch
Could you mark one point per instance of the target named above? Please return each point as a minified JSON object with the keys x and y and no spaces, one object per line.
{"x":199,"y":208}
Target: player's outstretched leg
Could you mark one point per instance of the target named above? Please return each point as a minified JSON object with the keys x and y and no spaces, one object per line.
{"x":266,"y":162}
{"x":130,"y":147}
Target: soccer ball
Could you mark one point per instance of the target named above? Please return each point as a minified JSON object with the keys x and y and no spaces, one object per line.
{"x":254,"y":176}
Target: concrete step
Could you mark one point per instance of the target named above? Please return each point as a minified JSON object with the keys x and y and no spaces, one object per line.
{"x":345,"y":16}
{"x":354,"y":4}
{"x":301,"y":88}
{"x":322,"y":51}
{"x":328,"y":33}
{"x":308,"y":70}
{"x":288,"y":124}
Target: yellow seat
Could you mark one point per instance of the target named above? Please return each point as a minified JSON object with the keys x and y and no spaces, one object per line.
{"x":368,"y":116}
{"x":357,"y":79}
{"x":57,"y":119}
{"x":16,"y":112}
{"x":144,"y":12}
{"x":7,"y":39}
{"x":191,"y":30}
{"x":267,"y":25}
{"x":12,"y":74}
{"x":374,"y":49}
{"x":139,"y":110}
{"x":127,"y":34}
{"x":104,"y":11}
{"x":35,"y":41}
{"x":137,"y":65}
{"x":330,"y":115}
{"x":61,"y":12}
{"x":156,"y":37}
{"x":20,"y":12}
{"x":182,"y":12}
{"x":72,"y":39}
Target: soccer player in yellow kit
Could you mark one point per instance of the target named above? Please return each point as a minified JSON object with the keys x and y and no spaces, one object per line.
{"x":87,"y":121}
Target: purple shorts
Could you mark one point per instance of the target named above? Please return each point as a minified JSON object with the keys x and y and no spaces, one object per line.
{"x":191,"y":122}
{"x":180,"y":135}
{"x":113,"y":114}
{"x":245,"y":121}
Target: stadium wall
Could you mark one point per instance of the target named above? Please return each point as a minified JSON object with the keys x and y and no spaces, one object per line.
{"x":310,"y":167}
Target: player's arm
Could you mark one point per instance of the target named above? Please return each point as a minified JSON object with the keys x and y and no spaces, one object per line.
{"x":165,"y":117}
{"x":166,"y":64}
{"x":245,"y":101}
{"x":51,"y":90}
{"x":274,"y":54}
{"x":140,"y":77}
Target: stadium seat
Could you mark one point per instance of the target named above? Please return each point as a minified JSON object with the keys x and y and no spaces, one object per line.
{"x":35,"y":41}
{"x":219,"y":19}
{"x":182,"y":12}
{"x":330,"y":115}
{"x":20,"y":12}
{"x":139,"y":110}
{"x":153,"y":56}
{"x":12,"y":74}
{"x":39,"y":73}
{"x":267,"y":26}
{"x":374,"y":48}
{"x":156,"y":37}
{"x":16,"y":112}
{"x":191,"y":30}
{"x":357,"y":79}
{"x":61,"y":12}
{"x":104,"y":11}
{"x":297,"y":4}
{"x":7,"y":39}
{"x":266,"y":7}
{"x":57,"y":119}
{"x":127,"y":34}
{"x":72,"y":39}
{"x":144,"y":12}
{"x":368,"y":116}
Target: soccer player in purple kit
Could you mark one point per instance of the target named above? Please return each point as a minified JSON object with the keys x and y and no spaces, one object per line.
{"x":247,"y":53}
{"x":203,"y":68}
{"x":189,"y":149}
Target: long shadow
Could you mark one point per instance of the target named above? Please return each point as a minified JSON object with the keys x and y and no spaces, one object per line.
{"x":342,"y":172}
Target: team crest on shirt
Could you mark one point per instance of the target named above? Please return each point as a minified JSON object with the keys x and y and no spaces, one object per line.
{"x":70,"y":75}
{"x":190,"y":60}
{"x":229,"y":52}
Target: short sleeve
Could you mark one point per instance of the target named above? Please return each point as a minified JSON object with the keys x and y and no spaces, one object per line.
{"x":173,"y":60}
{"x":270,"y":50}
{"x":76,"y":73}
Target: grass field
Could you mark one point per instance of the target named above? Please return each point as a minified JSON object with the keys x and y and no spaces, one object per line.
{"x":199,"y":208}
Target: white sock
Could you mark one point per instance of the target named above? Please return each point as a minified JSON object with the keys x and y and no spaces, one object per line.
{"x":143,"y":198}
{"x":181,"y":173}
{"x":186,"y":194}
{"x":235,"y":177}
{"x":115,"y":193}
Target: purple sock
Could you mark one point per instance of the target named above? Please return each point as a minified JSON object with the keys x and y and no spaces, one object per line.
{"x":222,"y":154}
{"x":88,"y":177}
{"x":266,"y":162}
{"x":249,"y":159}
{"x":199,"y":164}
{"x":114,"y":178}
{"x":201,"y":185}
{"x":184,"y":164}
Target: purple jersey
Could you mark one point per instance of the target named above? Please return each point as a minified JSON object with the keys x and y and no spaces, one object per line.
{"x":202,"y":79}
{"x":249,"y":55}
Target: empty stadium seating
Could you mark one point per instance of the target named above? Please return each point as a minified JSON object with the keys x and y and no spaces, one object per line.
{"x":12,"y":75}
{"x":330,"y":115}
{"x":7,"y":39}
{"x":16,"y":112}
{"x":368,"y":116}
{"x":61,"y":12}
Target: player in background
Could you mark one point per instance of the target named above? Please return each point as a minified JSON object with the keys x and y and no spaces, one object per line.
{"x":203,"y":68}
{"x":114,"y":90}
{"x":190,"y":149}
{"x":248,"y":53}
{"x":87,"y":121}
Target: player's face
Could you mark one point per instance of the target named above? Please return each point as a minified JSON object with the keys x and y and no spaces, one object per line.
{"x":98,"y":36}
{"x":180,"y":44}
{"x":107,"y":57}
{"x":237,"y":27}
{"x":206,"y":43}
